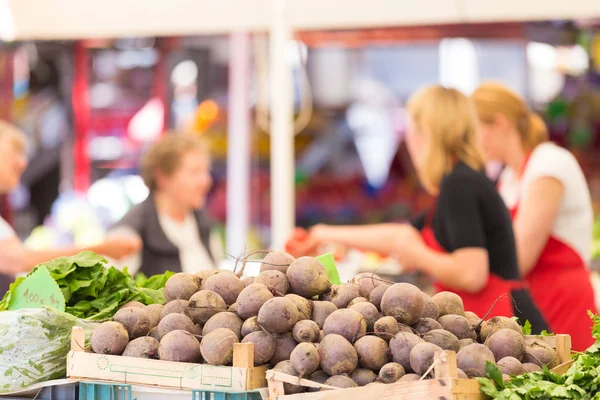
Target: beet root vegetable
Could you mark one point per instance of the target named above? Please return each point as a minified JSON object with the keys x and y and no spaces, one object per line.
{"x":109,"y":338}
{"x":449,"y":304}
{"x":337,"y":354}
{"x":366,"y":282}
{"x":530,"y":367}
{"x":135,"y":320}
{"x":181,"y":286}
{"x":425,"y":325}
{"x":363,"y":376}
{"x":377,"y":294}
{"x":342,"y":295}
{"x":179,"y":346}
{"x":142,"y":347}
{"x":217,"y":346}
{"x":446,"y":340}
{"x":203,"y":305}
{"x":460,"y":373}
{"x":250,"y":325}
{"x":473,"y":319}
{"x":510,"y":366}
{"x":458,"y":325}
{"x":307,"y":277}
{"x":305,"y":358}
{"x":472,"y":359}
{"x":276,"y":261}
{"x":322,"y":310}
{"x":539,"y":353}
{"x":373,"y":352}
{"x":465,"y":342}
{"x":153,"y":311}
{"x":275,"y":281}
{"x":369,"y":312}
{"x":401,"y":346}
{"x":226,"y":320}
{"x":422,"y":357}
{"x":306,"y":331}
{"x":251,"y":300}
{"x":286,"y":367}
{"x":228,"y":286}
{"x":318,"y":376}
{"x":391,"y":372}
{"x":358,"y":300}
{"x":506,"y":343}
{"x":340,"y":381}
{"x":493,"y":325}
{"x":278,"y":315}
{"x":205,"y":273}
{"x":404,"y":302}
{"x":284,"y":345}
{"x":431,"y":308}
{"x":347,"y":323}
{"x":175,"y":307}
{"x":386,"y":327}
{"x":175,"y":322}
{"x":410,"y":378}
{"x":264,"y":346}
{"x":135,"y":304}
{"x":305,"y":307}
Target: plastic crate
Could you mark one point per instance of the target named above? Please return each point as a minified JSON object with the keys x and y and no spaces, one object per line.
{"x":212,"y":395}
{"x":104,"y":391}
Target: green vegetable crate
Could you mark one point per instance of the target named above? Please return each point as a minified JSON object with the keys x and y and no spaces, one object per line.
{"x":243,"y":376}
{"x":445,"y":384}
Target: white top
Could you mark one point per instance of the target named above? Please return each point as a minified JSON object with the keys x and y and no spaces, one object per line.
{"x":574,"y":221}
{"x":184,"y":235}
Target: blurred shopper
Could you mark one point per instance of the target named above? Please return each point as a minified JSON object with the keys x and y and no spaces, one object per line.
{"x":14,"y":258}
{"x":174,"y":227}
{"x":550,"y":204}
{"x":466,"y":241}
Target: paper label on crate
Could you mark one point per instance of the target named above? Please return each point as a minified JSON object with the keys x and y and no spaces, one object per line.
{"x":36,"y":291}
{"x":216,"y":376}
{"x":329,"y":263}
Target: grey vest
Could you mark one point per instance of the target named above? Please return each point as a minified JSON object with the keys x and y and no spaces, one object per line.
{"x":158,"y":253}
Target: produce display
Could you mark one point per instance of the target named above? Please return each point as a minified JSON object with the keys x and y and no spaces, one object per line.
{"x":366,"y":331}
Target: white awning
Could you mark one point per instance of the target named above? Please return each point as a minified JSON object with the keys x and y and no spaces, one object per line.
{"x":80,"y":19}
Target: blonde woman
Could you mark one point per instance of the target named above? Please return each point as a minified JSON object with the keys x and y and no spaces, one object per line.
{"x":172,"y":223}
{"x":549,"y":201}
{"x":14,"y":258}
{"x":466,"y":241}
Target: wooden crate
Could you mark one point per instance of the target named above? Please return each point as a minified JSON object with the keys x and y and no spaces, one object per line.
{"x":243,"y":376}
{"x":446,"y":384}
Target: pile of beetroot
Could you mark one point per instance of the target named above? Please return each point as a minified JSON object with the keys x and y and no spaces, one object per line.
{"x":367,"y":331}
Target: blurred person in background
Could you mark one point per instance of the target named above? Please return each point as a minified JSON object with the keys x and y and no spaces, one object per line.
{"x":466,"y":240}
{"x":14,"y":258}
{"x":546,"y":192}
{"x":172,"y":222}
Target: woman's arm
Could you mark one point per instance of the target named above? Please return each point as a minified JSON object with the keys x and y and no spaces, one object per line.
{"x":534,"y":220}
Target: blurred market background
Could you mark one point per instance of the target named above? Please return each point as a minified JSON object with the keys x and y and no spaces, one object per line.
{"x":91,"y":106}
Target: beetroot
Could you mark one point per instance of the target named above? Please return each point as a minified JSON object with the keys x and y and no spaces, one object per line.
{"x":539,"y":353}
{"x":305,"y":307}
{"x":506,"y":343}
{"x":449,"y":303}
{"x":284,"y":345}
{"x":318,"y":376}
{"x":401,"y":345}
{"x":143,"y":347}
{"x":347,"y":323}
{"x":276,"y":261}
{"x":135,"y":320}
{"x":179,"y":346}
{"x":275,"y":281}
{"x":174,"y":322}
{"x":530,"y":367}
{"x":135,"y":304}
{"x":250,"y":325}
{"x":322,"y":310}
{"x":247,"y":281}
{"x":386,"y":327}
{"x":472,"y":359}
{"x":286,"y":367}
{"x":337,"y":355}
{"x":228,"y":286}
{"x":226,"y":320}
{"x":251,"y":300}
{"x":341,"y":295}
{"x":264,"y":346}
{"x":373,"y":352}
{"x":366,"y":282}
{"x":422,"y":357}
{"x":510,"y":366}
{"x":217,"y":346}
{"x":203,"y":305}
{"x":358,"y":300}
{"x":305,"y":358}
{"x":410,"y":378}
{"x":431,"y":308}
{"x":465,"y":342}
{"x":307,"y":277}
{"x":404,"y":302}
{"x":306,"y":331}
{"x":369,"y":313}
{"x":363,"y":376}
{"x":175,"y":307}
{"x":340,"y":381}
{"x":181,"y":286}
{"x":153,"y":311}
{"x":109,"y":338}
{"x":458,"y":325}
{"x":473,"y":319}
{"x":425,"y":325}
{"x":391,"y":372}
{"x":278,"y":315}
{"x":377,"y":294}
{"x":444,"y":339}
{"x":493,"y":325}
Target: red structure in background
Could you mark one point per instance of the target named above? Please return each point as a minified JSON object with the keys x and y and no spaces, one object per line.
{"x":81,"y":111}
{"x":6,"y":95}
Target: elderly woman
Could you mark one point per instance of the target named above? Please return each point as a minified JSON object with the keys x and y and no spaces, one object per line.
{"x":175,"y":230}
{"x":14,"y":258}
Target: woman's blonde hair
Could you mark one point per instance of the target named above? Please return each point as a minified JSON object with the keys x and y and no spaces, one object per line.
{"x":14,"y":135}
{"x":493,"y":98}
{"x":448,"y":120}
{"x":165,"y":155}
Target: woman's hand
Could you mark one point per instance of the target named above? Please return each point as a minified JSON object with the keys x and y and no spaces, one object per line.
{"x":119,"y":246}
{"x":409,"y":247}
{"x":302,"y":243}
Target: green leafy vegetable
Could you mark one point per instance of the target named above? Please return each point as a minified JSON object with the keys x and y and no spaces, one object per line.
{"x":93,"y":291}
{"x":526,"y":328}
{"x":545,"y":333}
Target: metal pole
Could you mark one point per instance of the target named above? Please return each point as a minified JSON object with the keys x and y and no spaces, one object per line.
{"x":282,"y":137}
{"x":238,"y":148}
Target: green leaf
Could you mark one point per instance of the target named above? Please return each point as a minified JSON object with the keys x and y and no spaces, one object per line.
{"x":546,"y":333}
{"x":494,"y":374}
{"x":526,"y":328}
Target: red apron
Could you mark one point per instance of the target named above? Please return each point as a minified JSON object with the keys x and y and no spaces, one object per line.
{"x":496,"y":290}
{"x":561,"y":287}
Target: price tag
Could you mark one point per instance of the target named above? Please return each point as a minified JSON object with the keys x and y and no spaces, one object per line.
{"x":329,"y":263}
{"x":36,"y":291}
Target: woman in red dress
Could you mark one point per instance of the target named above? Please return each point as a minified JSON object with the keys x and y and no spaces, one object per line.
{"x":549,"y":202}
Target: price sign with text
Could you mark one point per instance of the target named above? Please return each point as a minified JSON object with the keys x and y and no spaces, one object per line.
{"x":36,"y":291}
